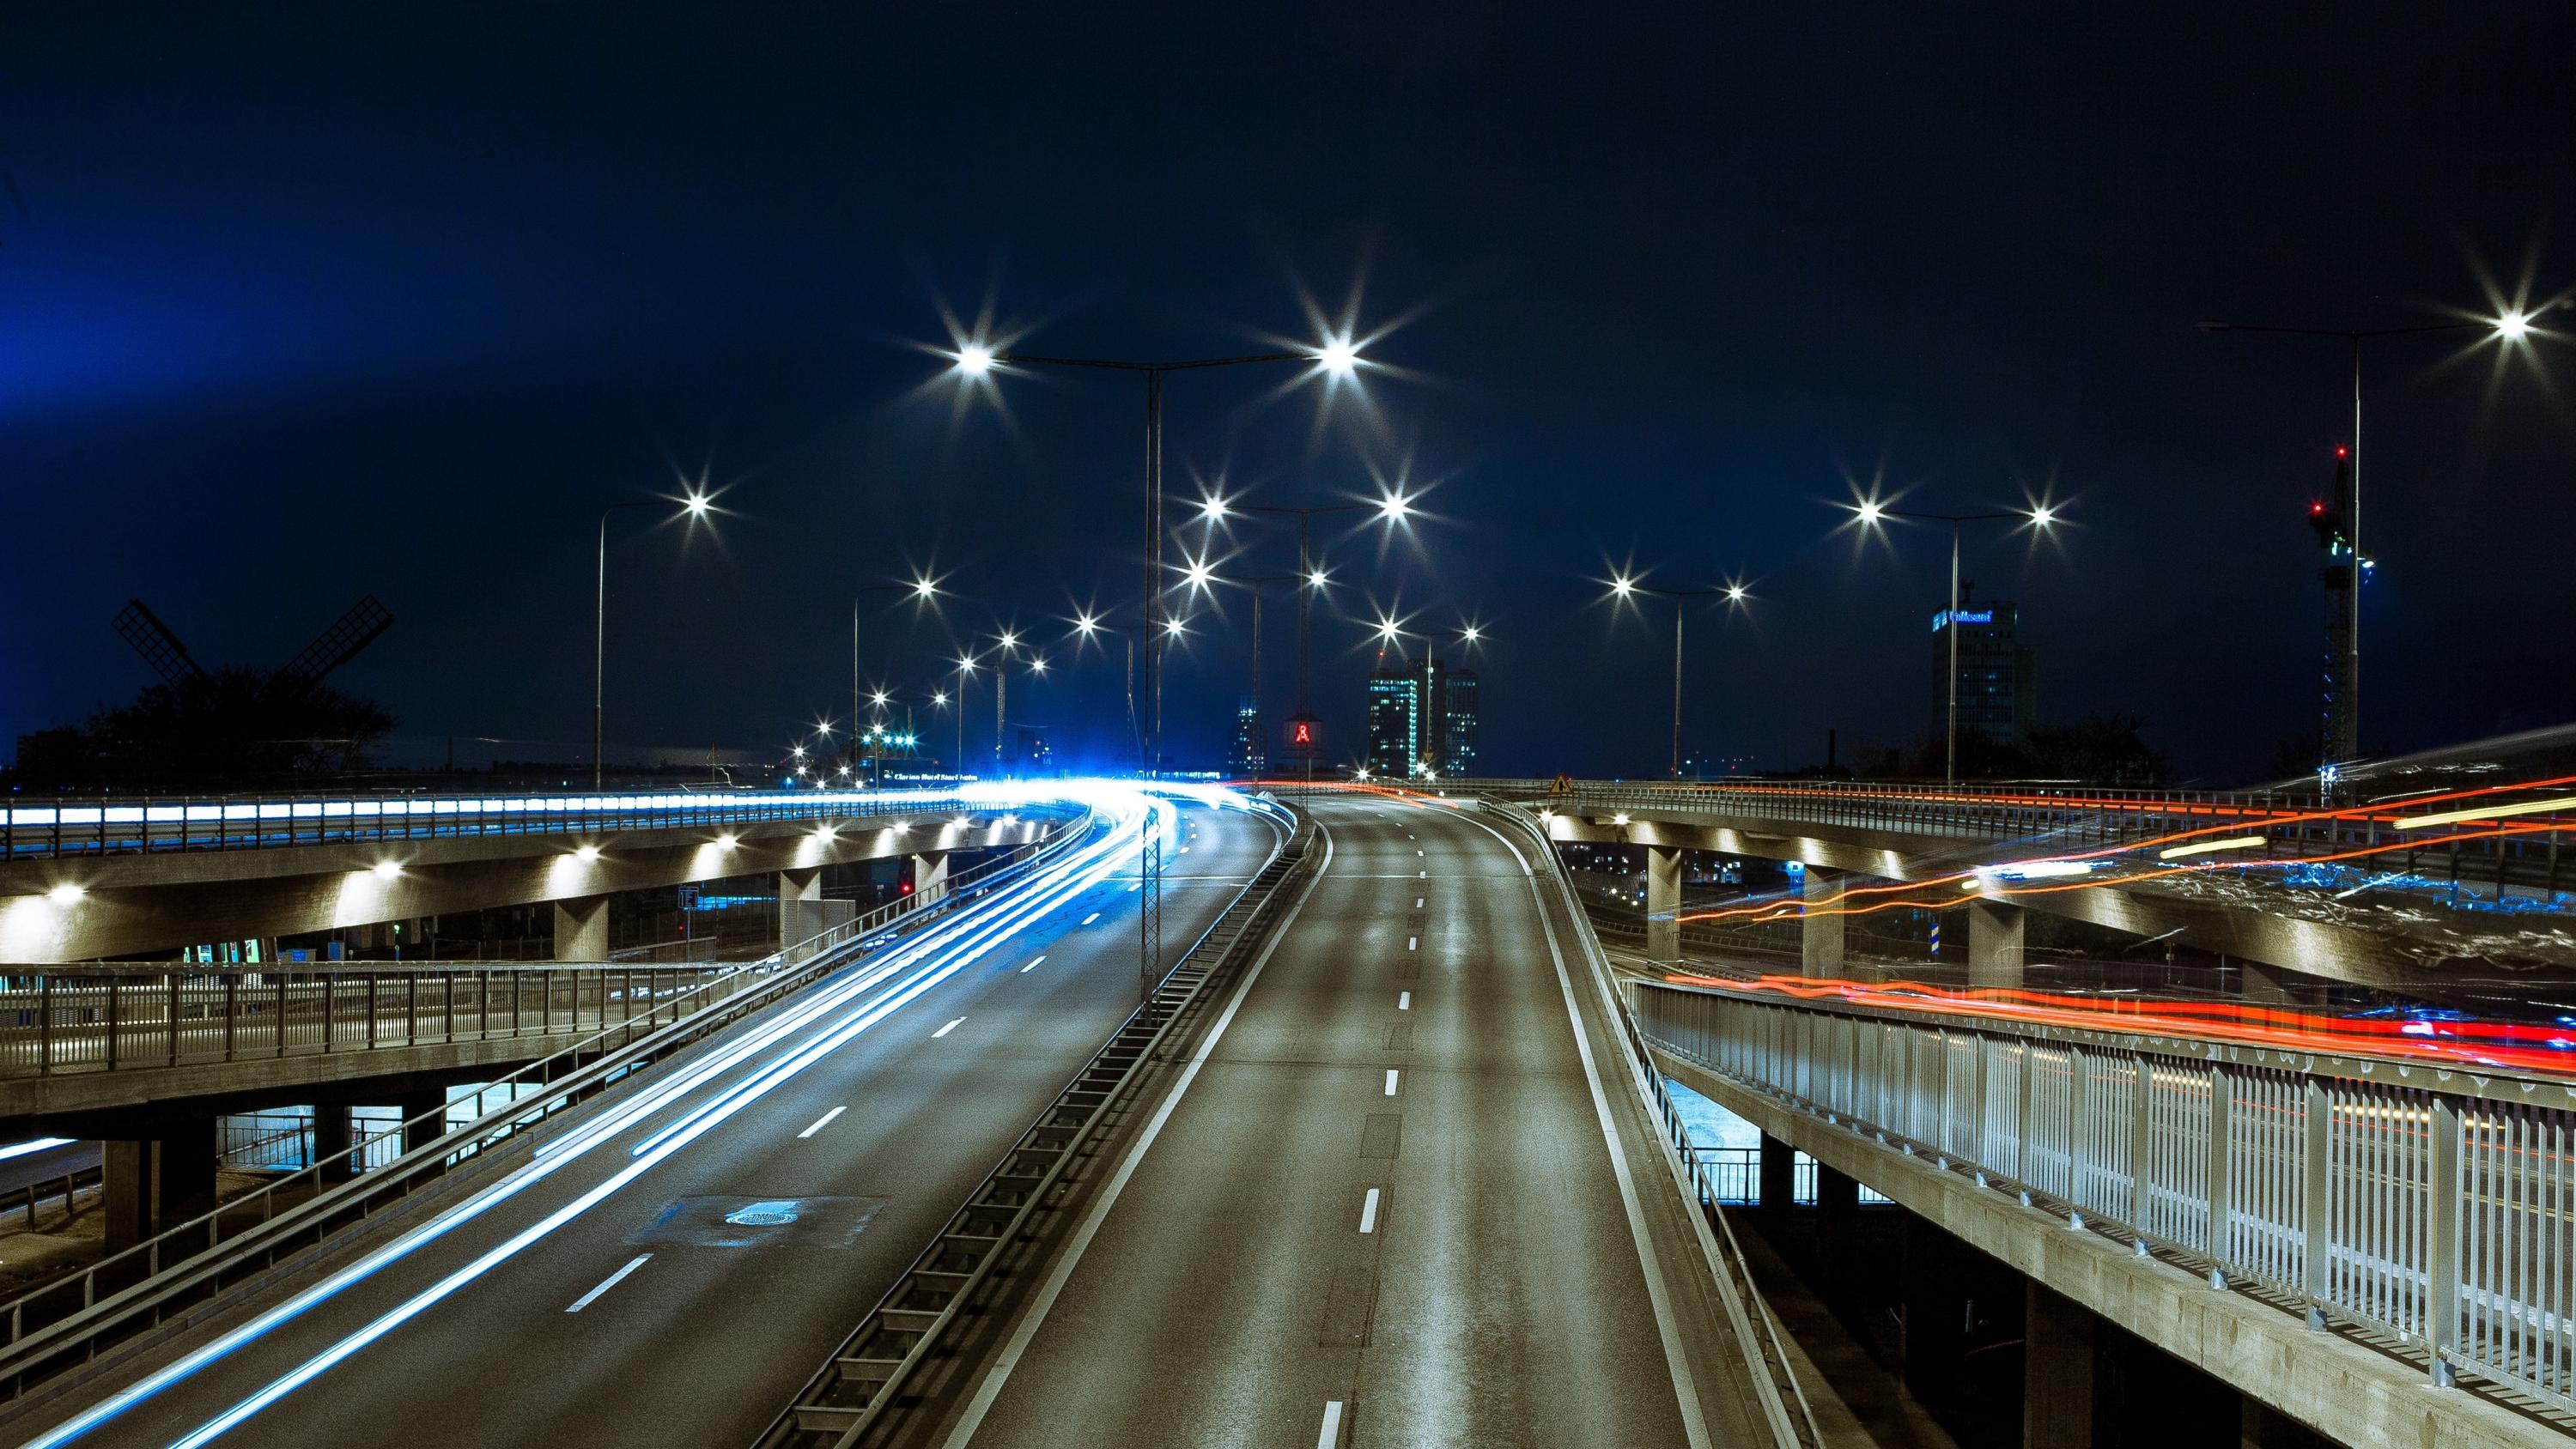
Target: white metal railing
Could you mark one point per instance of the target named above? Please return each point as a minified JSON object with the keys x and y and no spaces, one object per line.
{"x":129,"y":826}
{"x":2435,"y":1210}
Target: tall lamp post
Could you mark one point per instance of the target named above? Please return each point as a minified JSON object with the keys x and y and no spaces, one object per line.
{"x":1336,"y":357}
{"x":1872,"y":514}
{"x":923,"y":590}
{"x":1624,"y":588}
{"x":1311,"y":578}
{"x":692,"y":507}
{"x":2344,"y":729}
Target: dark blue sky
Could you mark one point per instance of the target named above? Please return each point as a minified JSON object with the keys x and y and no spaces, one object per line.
{"x":330,"y":303}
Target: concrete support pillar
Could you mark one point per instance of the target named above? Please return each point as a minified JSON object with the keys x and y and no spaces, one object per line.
{"x":1777,"y":1169}
{"x":2057,"y":1371}
{"x":1933,"y":1301}
{"x":2256,"y":981}
{"x":581,"y":929}
{"x":1837,"y":1227}
{"x":800,"y":904}
{"x":1994,"y":944}
{"x":929,"y":877}
{"x":333,"y":1143}
{"x":1821,"y":937}
{"x":431,"y":1104}
{"x":151,"y":1185}
{"x":1663,"y":903}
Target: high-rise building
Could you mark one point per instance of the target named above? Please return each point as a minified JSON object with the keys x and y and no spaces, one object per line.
{"x":1394,"y":721}
{"x":1421,"y":717}
{"x":1998,"y":681}
{"x":1250,"y":758}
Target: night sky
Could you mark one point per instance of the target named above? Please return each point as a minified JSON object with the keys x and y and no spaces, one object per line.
{"x":331,"y":302}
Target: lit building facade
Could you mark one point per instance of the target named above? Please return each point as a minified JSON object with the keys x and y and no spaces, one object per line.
{"x":1422,"y":716}
{"x":1998,"y":681}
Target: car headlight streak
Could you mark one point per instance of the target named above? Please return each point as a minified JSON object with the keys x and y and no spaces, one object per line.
{"x":940,"y":953}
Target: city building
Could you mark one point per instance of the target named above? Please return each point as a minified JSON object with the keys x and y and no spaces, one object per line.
{"x":1422,"y":716}
{"x":1998,"y":683}
{"x":1250,"y":757}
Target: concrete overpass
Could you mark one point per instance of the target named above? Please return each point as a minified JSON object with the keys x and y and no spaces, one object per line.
{"x":2100,"y":857}
{"x":82,"y":882}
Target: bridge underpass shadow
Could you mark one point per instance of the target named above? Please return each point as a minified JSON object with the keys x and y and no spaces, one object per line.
{"x":1931,"y":1343}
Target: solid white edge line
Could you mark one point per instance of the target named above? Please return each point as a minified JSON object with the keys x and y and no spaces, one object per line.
{"x":1676,"y":1359}
{"x":822,"y":1122}
{"x":1368,"y":1212}
{"x":1033,"y":963}
{"x":1035,"y":1317}
{"x":1332,"y":1432}
{"x":945,"y":1030}
{"x":611,"y":1281}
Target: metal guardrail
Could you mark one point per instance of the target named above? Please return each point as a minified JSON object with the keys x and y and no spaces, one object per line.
{"x":70,"y":1318}
{"x":127,"y":827}
{"x":70,"y":1020}
{"x":866,"y":1374}
{"x":2434,"y":1212}
{"x":1785,"y":1411}
{"x":2535,"y":854}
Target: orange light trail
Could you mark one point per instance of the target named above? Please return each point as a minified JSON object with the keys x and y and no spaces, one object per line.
{"x":2522,"y":1046}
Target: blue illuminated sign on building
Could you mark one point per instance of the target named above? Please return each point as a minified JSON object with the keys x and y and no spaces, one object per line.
{"x":1941,"y":620}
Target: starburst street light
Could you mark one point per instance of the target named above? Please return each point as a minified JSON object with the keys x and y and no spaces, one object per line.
{"x":1869,"y":513}
{"x":2511,"y":328}
{"x":1625,"y":587}
{"x":695,"y":504}
{"x":1336,"y":357}
{"x":1198,"y":575}
{"x":922,"y":589}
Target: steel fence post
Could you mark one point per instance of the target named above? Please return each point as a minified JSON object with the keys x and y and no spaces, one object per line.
{"x":2442,"y":1239}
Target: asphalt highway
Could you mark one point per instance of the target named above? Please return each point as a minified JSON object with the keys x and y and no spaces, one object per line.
{"x":676,"y":1281}
{"x":1385,"y":1209}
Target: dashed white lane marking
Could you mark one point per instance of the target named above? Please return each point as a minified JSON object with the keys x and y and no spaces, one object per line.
{"x":945,"y":1030}
{"x":1332,"y":1435}
{"x":611,"y":1281}
{"x":1404,"y":1001}
{"x":1032,"y":966}
{"x":1087,"y":920}
{"x":1412,"y":943}
{"x":1368,"y":1212}
{"x":1426,"y":875}
{"x":1417,"y":903}
{"x":1417,"y":852}
{"x":821,"y":1122}
{"x":1391,"y":1075}
{"x":1136,"y":885}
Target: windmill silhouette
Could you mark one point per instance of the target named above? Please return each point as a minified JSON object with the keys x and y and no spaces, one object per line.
{"x":336,"y":645}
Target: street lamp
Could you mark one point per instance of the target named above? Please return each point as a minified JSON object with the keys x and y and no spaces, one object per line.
{"x":923,"y":590}
{"x":1335,"y":357}
{"x":1624,"y":588}
{"x":1392,"y":507}
{"x":2343,"y":728}
{"x":693,"y":506}
{"x":1871,"y":513}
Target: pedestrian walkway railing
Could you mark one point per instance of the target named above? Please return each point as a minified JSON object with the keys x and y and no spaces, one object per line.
{"x":142,"y":826}
{"x":2431,"y":1211}
{"x":2520,"y":858}
{"x":68,"y":1320}
{"x":67,"y":1020}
